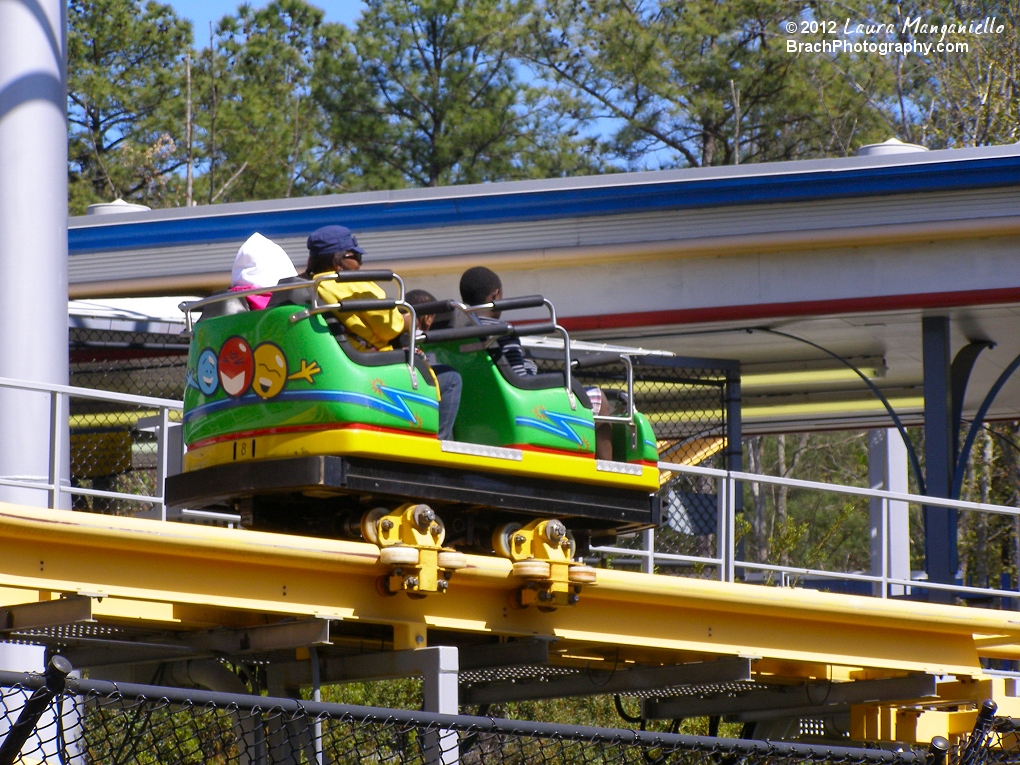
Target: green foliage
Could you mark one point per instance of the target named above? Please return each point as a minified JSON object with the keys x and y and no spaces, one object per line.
{"x":597,"y":711}
{"x":808,"y":529}
{"x":438,"y":92}
{"x":428,"y":94}
{"x":945,"y":99}
{"x":389,"y":694}
{"x":671,"y":75}
{"x":124,"y":109}
{"x":258,"y":126}
{"x":989,"y":545}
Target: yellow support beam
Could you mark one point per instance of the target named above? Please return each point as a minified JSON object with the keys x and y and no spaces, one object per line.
{"x":186,"y":577}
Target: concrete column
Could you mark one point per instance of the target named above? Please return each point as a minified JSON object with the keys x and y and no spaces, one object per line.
{"x":939,"y":522}
{"x":890,"y":522}
{"x":33,"y":232}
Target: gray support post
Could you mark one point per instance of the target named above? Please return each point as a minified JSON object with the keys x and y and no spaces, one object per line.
{"x":939,"y":523}
{"x":648,"y":545}
{"x":313,"y":655}
{"x":33,"y":234}
{"x":890,"y":521}
{"x":440,"y":667}
{"x":734,"y":461}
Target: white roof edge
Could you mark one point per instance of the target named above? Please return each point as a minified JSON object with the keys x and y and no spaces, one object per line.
{"x":608,"y":180}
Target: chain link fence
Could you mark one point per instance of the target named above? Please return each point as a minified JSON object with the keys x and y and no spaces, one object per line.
{"x":44,"y":720}
{"x":113,"y":445}
{"x":694,"y":408}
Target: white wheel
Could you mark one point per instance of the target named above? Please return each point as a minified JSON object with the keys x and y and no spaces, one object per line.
{"x":501,"y":539}
{"x":573,"y":545}
{"x":452,"y":560}
{"x":399,"y":555}
{"x":370,"y":524}
{"x":581,"y":574}
{"x":532,"y":569}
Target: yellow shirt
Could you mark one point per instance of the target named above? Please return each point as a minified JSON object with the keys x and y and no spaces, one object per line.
{"x":367,"y":330}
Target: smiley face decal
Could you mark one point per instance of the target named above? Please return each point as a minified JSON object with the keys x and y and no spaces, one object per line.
{"x":207,"y":374}
{"x":270,"y":370}
{"x":236,"y":366}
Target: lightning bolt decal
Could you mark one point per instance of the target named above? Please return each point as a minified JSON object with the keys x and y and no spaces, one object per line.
{"x":556,"y":424}
{"x":396,"y":405}
{"x":399,"y":399}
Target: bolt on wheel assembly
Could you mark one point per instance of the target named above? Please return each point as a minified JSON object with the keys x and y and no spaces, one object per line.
{"x":542,"y":553}
{"x":410,"y":540}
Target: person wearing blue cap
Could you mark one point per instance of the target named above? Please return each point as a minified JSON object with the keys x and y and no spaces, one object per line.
{"x":335,"y":248}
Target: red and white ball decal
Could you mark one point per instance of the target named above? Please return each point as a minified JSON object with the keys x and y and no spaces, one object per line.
{"x":236,"y":366}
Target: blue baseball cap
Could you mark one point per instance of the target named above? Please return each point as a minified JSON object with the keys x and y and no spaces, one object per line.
{"x":330,"y":239}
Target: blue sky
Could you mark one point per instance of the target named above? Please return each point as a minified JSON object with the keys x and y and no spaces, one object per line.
{"x":201,"y":12}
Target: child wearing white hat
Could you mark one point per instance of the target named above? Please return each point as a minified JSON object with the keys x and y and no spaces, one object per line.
{"x":259,"y":263}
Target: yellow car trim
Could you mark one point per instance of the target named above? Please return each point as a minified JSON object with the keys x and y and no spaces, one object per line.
{"x":354,"y":442}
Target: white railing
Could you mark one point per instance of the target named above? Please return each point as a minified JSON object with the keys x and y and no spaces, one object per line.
{"x":57,"y":483}
{"x":725,"y":559}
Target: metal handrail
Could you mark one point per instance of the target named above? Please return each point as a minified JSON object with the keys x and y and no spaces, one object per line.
{"x":57,"y":484}
{"x":725,"y":558}
{"x":796,"y":483}
{"x":92,"y":393}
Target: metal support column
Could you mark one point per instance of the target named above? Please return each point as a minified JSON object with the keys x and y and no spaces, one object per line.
{"x":939,"y":523}
{"x":440,"y":667}
{"x":890,"y":521}
{"x":734,"y":461}
{"x":33,"y":235}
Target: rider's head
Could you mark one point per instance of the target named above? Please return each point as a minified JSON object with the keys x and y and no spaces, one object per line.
{"x":416,"y":298}
{"x":333,"y":248}
{"x":480,"y":285}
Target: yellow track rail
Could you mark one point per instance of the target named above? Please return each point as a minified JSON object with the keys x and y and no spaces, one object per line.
{"x":189,"y":577}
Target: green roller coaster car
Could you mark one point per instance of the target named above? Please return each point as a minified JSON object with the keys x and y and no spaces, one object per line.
{"x":287,"y":423}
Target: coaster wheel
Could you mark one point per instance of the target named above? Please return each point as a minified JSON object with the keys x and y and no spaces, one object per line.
{"x":581,"y":574}
{"x":399,"y":555}
{"x":441,"y":537}
{"x":532,"y":569}
{"x":573,"y":544}
{"x":370,"y":524}
{"x":502,"y":539}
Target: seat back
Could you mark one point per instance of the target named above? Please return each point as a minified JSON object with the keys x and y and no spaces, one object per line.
{"x":495,"y":412}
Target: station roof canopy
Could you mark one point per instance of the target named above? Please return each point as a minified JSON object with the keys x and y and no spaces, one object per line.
{"x":847,"y":253}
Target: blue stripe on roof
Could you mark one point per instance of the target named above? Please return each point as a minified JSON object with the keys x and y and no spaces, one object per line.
{"x":565,"y":203}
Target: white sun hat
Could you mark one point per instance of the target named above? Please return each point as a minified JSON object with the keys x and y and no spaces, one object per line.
{"x":260,"y":263}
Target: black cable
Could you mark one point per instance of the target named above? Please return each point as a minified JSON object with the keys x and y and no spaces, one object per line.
{"x":1009,"y":442}
{"x":914,"y":462}
{"x":616,"y":665}
{"x":828,"y":691}
{"x":968,"y":442}
{"x":619,"y":710}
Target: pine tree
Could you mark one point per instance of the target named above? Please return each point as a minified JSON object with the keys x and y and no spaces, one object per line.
{"x":440,"y":101}
{"x":125,"y":74}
